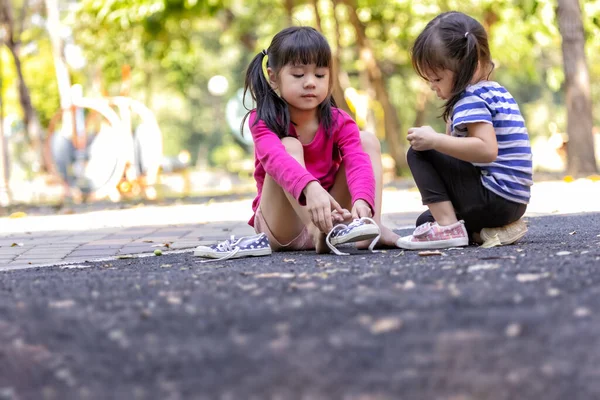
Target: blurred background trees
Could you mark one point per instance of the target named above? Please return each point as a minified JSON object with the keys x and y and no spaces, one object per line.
{"x":175,"y":48}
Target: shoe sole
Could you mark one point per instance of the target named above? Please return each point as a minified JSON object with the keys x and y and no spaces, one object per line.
{"x":364,"y":233}
{"x":488,"y":233}
{"x":438,"y":244}
{"x":240,"y":254}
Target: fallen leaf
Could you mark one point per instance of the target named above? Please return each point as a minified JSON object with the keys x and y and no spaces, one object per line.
{"x":482,"y":267}
{"x":427,"y":253}
{"x":582,"y":312}
{"x":531,"y":277}
{"x":572,"y":233}
{"x":16,"y":244}
{"x":513,"y":330}
{"x":408,"y":285}
{"x":283,"y":275}
{"x":399,"y":254}
{"x":166,"y":266}
{"x":75,"y":266}
{"x":18,"y":214}
{"x":563,"y":253}
{"x":491,"y":242}
{"x":307,"y":285}
{"x":498,"y":258}
{"x":148,"y":241}
{"x":61,"y":303}
{"x":125,"y":256}
{"x":289,"y":260}
{"x":386,"y":324}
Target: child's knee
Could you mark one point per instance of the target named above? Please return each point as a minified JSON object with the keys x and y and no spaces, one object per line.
{"x":293,"y":147}
{"x":411,"y":156}
{"x":369,"y":142}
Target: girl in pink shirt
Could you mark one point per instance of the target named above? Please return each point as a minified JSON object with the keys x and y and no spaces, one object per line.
{"x":312,"y":164}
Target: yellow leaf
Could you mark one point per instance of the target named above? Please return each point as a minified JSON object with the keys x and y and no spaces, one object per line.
{"x":18,"y":214}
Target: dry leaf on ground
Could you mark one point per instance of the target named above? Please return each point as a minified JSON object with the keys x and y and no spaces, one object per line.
{"x":386,"y":324}
{"x":427,"y":253}
{"x":482,"y":267}
{"x":283,"y":275}
{"x":531,"y":277}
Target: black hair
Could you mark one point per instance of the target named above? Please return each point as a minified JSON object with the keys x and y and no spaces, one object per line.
{"x":456,"y":42}
{"x":293,"y":45}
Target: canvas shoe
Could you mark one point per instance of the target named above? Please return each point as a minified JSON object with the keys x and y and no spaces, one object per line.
{"x":507,"y":234}
{"x":430,"y":235}
{"x":245,"y":246}
{"x":360,"y":229}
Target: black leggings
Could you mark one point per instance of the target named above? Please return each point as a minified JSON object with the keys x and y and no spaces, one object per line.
{"x":440,"y":177}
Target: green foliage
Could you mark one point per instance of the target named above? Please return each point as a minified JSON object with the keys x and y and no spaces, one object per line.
{"x":175,"y":46}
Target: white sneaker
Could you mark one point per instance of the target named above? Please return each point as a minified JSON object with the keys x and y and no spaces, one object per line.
{"x":360,"y":229}
{"x":246,"y":246}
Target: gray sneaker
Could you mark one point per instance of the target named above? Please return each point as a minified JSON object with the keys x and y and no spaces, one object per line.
{"x":245,"y":246}
{"x":360,"y":229}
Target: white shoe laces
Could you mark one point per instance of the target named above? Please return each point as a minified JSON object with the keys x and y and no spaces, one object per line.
{"x":225,"y":246}
{"x":353,"y":224}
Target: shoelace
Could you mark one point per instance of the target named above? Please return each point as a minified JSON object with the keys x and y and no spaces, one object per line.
{"x":353,"y":224}
{"x":226,"y":245}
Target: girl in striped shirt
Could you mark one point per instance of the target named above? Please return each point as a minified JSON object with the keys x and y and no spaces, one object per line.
{"x":476,"y":178}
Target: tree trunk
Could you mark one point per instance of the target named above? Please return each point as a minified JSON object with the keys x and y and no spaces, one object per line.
{"x":4,"y":190}
{"x":33,"y":128}
{"x":337,"y":90}
{"x":60,"y":65}
{"x":423,"y":96}
{"x":580,"y":148}
{"x":289,"y":10}
{"x":392,"y":123}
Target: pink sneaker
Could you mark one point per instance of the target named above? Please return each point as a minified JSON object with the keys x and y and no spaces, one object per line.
{"x":432,"y":236}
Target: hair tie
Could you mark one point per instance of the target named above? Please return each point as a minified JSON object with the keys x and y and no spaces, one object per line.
{"x":466,"y":33}
{"x":265,"y":60}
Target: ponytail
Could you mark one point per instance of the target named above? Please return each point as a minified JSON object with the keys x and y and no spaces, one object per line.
{"x":270,"y":108}
{"x":462,"y":79}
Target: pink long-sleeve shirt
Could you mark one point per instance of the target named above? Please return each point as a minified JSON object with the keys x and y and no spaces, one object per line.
{"x":322,"y":158}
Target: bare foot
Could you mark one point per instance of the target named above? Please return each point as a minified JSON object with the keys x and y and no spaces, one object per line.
{"x":387,"y":240}
{"x":318,"y":240}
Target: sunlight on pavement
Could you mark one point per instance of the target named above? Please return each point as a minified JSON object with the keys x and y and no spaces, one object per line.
{"x":547,"y":198}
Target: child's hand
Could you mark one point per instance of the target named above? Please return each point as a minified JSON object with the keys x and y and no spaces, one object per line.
{"x":320,"y":203}
{"x":361,"y":209}
{"x":423,"y":138}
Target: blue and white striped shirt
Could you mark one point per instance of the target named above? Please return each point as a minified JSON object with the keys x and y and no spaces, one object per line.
{"x":511,"y":174}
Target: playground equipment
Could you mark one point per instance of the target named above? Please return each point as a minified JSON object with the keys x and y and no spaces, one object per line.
{"x":107,"y":147}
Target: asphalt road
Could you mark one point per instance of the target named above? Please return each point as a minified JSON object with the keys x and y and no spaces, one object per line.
{"x":515,"y":322}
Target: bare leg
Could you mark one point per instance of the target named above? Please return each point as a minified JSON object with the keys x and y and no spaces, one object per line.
{"x":443,"y":213}
{"x":372,"y":147}
{"x":282,"y":212}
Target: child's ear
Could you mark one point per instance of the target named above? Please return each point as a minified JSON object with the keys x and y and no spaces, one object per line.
{"x":272,"y":78}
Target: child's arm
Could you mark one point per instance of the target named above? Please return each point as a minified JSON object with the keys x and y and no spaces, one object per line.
{"x":479,"y":146}
{"x":276,"y":161}
{"x":359,"y":171}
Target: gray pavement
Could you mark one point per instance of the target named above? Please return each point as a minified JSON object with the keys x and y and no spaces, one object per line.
{"x":43,"y":240}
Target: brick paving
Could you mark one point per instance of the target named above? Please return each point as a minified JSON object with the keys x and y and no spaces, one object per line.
{"x":44,"y":248}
